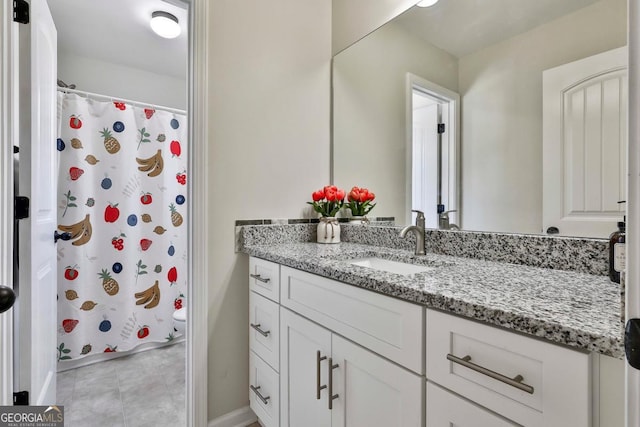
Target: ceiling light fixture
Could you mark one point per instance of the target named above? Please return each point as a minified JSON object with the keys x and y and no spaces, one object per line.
{"x":427,"y":3}
{"x":165,"y":25}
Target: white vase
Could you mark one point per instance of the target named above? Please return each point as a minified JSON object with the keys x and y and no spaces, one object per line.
{"x":361,"y":220}
{"x":328,"y":230}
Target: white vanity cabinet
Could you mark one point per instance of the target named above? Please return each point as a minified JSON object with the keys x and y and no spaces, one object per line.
{"x":324,"y":353}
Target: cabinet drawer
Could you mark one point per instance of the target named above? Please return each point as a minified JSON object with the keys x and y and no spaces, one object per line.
{"x":387,"y":326}
{"x":264,"y":391}
{"x":445,"y":409}
{"x":476,"y":361}
{"x":264,"y":329}
{"x":264,"y":278}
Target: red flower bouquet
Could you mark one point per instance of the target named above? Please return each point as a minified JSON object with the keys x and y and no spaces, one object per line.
{"x":360,"y":201}
{"x":328,"y":200}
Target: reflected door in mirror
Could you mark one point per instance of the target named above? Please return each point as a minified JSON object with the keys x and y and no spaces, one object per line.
{"x":585,"y":144}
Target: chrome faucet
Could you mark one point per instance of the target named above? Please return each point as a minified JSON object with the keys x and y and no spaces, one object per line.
{"x":443,"y":221}
{"x":418,"y":230}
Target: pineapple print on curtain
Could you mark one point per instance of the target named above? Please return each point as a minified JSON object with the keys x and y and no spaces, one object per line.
{"x":122,"y":191}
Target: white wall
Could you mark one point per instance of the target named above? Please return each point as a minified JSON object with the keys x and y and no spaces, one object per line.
{"x":269,"y":74}
{"x":369,"y":104}
{"x":501,"y":88}
{"x":117,"y":80}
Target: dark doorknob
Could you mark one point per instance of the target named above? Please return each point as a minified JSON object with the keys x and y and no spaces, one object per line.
{"x":7,"y":298}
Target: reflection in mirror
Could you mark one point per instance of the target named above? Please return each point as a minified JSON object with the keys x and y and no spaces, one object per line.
{"x":494,"y":54}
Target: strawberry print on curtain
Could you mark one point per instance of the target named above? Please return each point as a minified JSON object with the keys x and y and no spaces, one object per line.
{"x":122,"y":187}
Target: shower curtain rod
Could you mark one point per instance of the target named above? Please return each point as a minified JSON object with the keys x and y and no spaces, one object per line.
{"x":127,"y":101}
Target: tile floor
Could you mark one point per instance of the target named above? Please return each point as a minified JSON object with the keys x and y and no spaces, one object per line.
{"x":144,"y":389}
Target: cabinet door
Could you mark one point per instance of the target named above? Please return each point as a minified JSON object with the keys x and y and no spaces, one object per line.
{"x":300,"y":340}
{"x":372,"y":391}
{"x":445,"y":409}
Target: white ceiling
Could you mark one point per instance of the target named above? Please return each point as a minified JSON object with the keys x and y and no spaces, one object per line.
{"x":118,"y":31}
{"x":461,"y":27}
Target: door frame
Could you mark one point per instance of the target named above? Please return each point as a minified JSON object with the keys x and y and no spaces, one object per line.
{"x":198,"y":260}
{"x":198,"y":90}
{"x":448,"y":97}
{"x":632,"y":275}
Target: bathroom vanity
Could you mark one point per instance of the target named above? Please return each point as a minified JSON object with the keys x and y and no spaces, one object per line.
{"x":335,"y":342}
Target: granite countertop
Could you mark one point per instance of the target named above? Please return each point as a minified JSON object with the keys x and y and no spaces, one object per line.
{"x":575,"y":309}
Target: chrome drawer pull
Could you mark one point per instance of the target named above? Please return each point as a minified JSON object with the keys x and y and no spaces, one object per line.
{"x":318,"y":386}
{"x":332,"y":396}
{"x":260,"y":278}
{"x":264,"y":400}
{"x":260,"y":331}
{"x":513,"y":382}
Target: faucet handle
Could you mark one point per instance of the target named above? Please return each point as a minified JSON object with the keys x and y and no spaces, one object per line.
{"x":419,"y":218}
{"x":445,"y":214}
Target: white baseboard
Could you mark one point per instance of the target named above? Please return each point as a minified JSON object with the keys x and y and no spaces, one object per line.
{"x":239,"y":418}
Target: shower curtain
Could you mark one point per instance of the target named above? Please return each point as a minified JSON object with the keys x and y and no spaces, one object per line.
{"x":122,"y":190}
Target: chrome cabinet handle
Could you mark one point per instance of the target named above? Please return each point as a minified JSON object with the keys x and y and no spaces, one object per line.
{"x":260,"y":278}
{"x":260,"y":331}
{"x":332,"y":396}
{"x":318,"y":386}
{"x":513,"y":382}
{"x":264,"y":400}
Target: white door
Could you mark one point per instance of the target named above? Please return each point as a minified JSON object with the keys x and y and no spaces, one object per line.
{"x":372,"y":391}
{"x":7,"y":95}
{"x":36,"y":306}
{"x":300,"y":341}
{"x":585,"y":144}
{"x":425,"y":170}
{"x":432,"y":168}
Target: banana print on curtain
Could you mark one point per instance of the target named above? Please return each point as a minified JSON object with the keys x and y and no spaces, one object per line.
{"x":122,"y":187}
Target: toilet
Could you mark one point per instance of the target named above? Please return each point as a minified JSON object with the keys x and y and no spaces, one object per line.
{"x":180,"y":320}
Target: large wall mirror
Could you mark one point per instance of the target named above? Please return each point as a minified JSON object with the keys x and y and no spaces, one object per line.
{"x":536,"y":137}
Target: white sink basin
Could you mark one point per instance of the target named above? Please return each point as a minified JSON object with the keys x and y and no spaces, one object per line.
{"x":390,"y":266}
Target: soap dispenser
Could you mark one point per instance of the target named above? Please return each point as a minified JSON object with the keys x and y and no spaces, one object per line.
{"x":617,"y":251}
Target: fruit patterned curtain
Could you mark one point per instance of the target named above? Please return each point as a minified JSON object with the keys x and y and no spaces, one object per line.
{"x":122,"y":190}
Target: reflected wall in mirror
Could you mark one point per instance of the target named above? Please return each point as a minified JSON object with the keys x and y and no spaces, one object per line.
{"x":493,"y":54}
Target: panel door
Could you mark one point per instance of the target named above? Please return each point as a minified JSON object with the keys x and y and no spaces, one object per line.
{"x":37,"y":273}
{"x":8,"y":84}
{"x":372,"y":391}
{"x":585,"y":144}
{"x":300,"y":341}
